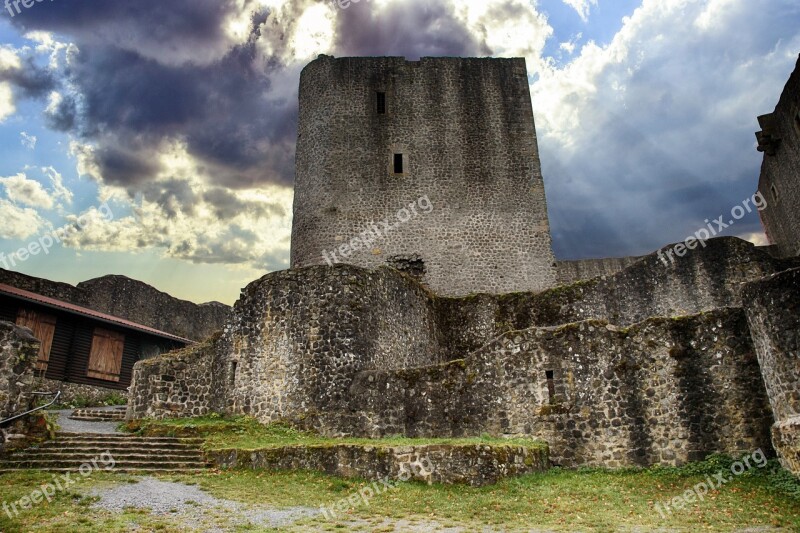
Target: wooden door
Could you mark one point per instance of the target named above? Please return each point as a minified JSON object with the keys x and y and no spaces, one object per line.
{"x":105,"y":359}
{"x":44,"y":328}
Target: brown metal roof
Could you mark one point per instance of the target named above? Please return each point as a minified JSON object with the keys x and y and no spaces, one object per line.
{"x":83,"y":311}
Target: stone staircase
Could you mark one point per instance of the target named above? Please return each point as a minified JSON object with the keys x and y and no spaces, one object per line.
{"x":131,"y":454}
{"x":99,"y":415}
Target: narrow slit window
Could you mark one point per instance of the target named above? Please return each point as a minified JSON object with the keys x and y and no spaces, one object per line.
{"x":797,"y":121}
{"x":381,"y":103}
{"x":551,"y":386}
{"x":774,"y":192}
{"x":398,"y":163}
{"x":232,"y":380}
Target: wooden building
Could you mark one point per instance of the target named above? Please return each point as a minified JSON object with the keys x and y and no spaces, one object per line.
{"x":80,"y":345}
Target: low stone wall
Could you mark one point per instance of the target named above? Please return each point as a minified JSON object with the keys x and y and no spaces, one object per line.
{"x":475,"y":465}
{"x":174,"y":385}
{"x":77,"y":394}
{"x":661,"y":392}
{"x":773,"y":313}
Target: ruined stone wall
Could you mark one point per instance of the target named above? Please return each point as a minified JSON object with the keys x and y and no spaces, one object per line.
{"x":177,"y":384}
{"x":780,"y":171}
{"x":297,"y":338}
{"x":665,"y":391}
{"x":466,"y":132}
{"x":132,"y":300}
{"x":773,"y":313}
{"x":18,"y":352}
{"x":585,"y":269}
{"x":704,"y":279}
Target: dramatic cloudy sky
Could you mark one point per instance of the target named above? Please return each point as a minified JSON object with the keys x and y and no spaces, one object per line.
{"x":180,"y":116}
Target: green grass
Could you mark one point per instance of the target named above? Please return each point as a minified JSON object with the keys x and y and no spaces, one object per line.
{"x":561,"y":500}
{"x":246,"y":433}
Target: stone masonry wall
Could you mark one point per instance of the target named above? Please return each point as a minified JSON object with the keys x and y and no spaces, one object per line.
{"x":296,"y":338}
{"x":780,"y":171}
{"x":475,"y":465}
{"x":466,"y":131}
{"x":585,"y":269}
{"x":18,"y":351}
{"x":704,"y":279}
{"x":174,"y":385}
{"x":665,"y":391}
{"x":773,"y":312}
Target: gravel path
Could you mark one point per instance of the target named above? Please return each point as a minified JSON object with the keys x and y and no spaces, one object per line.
{"x":82,"y":426}
{"x":193,"y":506}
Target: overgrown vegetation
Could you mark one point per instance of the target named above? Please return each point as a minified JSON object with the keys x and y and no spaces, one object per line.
{"x":246,"y":433}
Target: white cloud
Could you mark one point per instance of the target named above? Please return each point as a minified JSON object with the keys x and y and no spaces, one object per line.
{"x":183,"y":213}
{"x":509,"y":28}
{"x":60,"y":192}
{"x":7,"y":107}
{"x":18,"y":222}
{"x":582,"y":7}
{"x":27,"y":140}
{"x":645,"y":137}
{"x":21,"y":190}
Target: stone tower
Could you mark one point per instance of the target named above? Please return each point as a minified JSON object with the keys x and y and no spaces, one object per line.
{"x":779,"y":183}
{"x":428,"y":166}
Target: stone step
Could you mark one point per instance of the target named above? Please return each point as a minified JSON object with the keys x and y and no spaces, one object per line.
{"x":153,"y":446}
{"x":85,"y":455}
{"x":125,"y":470}
{"x":97,"y":418}
{"x":48,"y":464}
{"x":121,"y":436}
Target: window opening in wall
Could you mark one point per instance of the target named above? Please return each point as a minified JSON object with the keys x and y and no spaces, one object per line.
{"x":797,"y":121}
{"x":234,"y":364}
{"x":551,"y":385}
{"x":381,"y":103}
{"x":774,"y":191}
{"x":398,"y":163}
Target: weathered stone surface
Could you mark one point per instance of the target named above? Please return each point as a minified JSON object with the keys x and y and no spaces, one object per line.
{"x":174,"y":385}
{"x":664,"y":391}
{"x":132,"y":300}
{"x":773,"y":312}
{"x":586,"y":269}
{"x":349,"y":351}
{"x":779,"y":183}
{"x":466,"y":132}
{"x":19,"y":349}
{"x":475,"y":465}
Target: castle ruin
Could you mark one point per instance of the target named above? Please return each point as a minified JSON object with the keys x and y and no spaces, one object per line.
{"x":653,"y":364}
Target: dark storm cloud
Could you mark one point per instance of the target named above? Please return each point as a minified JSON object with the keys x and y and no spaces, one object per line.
{"x":173,"y":23}
{"x":412,"y":29}
{"x":148,"y":71}
{"x":32,"y":80}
